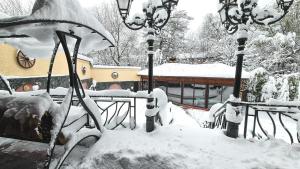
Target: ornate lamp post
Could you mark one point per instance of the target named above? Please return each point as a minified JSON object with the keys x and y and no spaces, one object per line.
{"x":156,"y":14}
{"x":237,"y":17}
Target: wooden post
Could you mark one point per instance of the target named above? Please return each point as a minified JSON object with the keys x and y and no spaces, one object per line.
{"x":194,"y":95}
{"x":182,"y":92}
{"x":136,"y":86}
{"x":206,"y":95}
{"x":222,"y":89}
{"x":142,"y":85}
{"x":167,"y":88}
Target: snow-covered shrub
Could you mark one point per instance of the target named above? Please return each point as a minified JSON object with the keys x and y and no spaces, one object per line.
{"x":293,"y":82}
{"x":269,"y":89}
{"x":275,"y":52}
{"x":284,"y":92}
{"x":298,"y":97}
{"x":258,"y":79}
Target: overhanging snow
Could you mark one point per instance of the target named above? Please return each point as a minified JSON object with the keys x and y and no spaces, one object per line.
{"x":49,"y":16}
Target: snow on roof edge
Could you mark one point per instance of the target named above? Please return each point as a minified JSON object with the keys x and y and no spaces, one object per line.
{"x":86,"y":58}
{"x":194,"y":70}
{"x":115,"y":67}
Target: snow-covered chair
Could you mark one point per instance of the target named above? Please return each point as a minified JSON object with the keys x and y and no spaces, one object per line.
{"x":55,"y":23}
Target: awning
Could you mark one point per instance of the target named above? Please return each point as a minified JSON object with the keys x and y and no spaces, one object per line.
{"x":36,"y":36}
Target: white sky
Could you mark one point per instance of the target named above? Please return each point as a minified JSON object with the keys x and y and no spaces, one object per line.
{"x":195,"y":8}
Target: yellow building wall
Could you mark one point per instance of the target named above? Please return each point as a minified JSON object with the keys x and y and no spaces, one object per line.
{"x":125,"y":74}
{"x":10,"y":66}
{"x":83,"y":63}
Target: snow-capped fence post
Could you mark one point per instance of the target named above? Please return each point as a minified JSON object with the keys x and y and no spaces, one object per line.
{"x":154,"y":20}
{"x":238,"y":16}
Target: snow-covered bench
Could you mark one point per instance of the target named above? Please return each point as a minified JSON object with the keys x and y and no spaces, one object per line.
{"x":30,"y":118}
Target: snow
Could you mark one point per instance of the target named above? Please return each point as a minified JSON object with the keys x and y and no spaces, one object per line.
{"x":3,"y":15}
{"x":266,"y":16}
{"x":297,"y":117}
{"x":183,"y":144}
{"x":20,"y":108}
{"x":75,"y":113}
{"x":263,"y":86}
{"x":92,"y":106}
{"x":74,"y":139}
{"x":6,"y":81}
{"x":43,"y":36}
{"x":164,"y":106}
{"x":70,"y":129}
{"x":233,"y":113}
{"x":4,"y":93}
{"x":269,"y":89}
{"x":213,"y":110}
{"x":59,"y":114}
{"x":285,"y":103}
{"x":154,"y":110}
{"x":118,"y":93}
{"x":115,"y":67}
{"x":83,"y":57}
{"x":216,"y":70}
{"x":284,"y":91}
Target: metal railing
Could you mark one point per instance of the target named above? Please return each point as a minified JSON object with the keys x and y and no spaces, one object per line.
{"x":112,"y":112}
{"x":275,"y":113}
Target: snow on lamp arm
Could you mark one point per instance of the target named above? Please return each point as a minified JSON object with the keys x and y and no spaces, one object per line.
{"x":237,"y":16}
{"x":155,"y":11}
{"x":233,"y":12}
{"x":155,"y":16}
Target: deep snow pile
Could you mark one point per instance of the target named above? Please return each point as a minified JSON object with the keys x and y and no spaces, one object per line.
{"x":184,"y":145}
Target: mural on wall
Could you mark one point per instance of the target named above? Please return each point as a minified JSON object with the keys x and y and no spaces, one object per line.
{"x":83,"y":70}
{"x":23,"y":72}
{"x":114,"y":75}
{"x":25,"y":61}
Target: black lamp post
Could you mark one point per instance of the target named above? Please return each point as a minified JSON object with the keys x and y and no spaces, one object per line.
{"x":237,"y":16}
{"x":155,"y":16}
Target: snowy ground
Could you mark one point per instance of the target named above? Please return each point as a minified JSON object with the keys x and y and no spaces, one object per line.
{"x":183,"y":145}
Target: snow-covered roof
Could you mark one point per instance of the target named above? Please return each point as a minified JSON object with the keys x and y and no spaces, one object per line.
{"x":86,"y":58}
{"x":115,"y":67}
{"x":49,"y":16}
{"x":190,"y":55}
{"x":216,"y":70}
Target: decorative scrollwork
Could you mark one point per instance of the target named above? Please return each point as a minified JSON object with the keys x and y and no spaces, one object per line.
{"x":233,"y":14}
{"x":116,"y":112}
